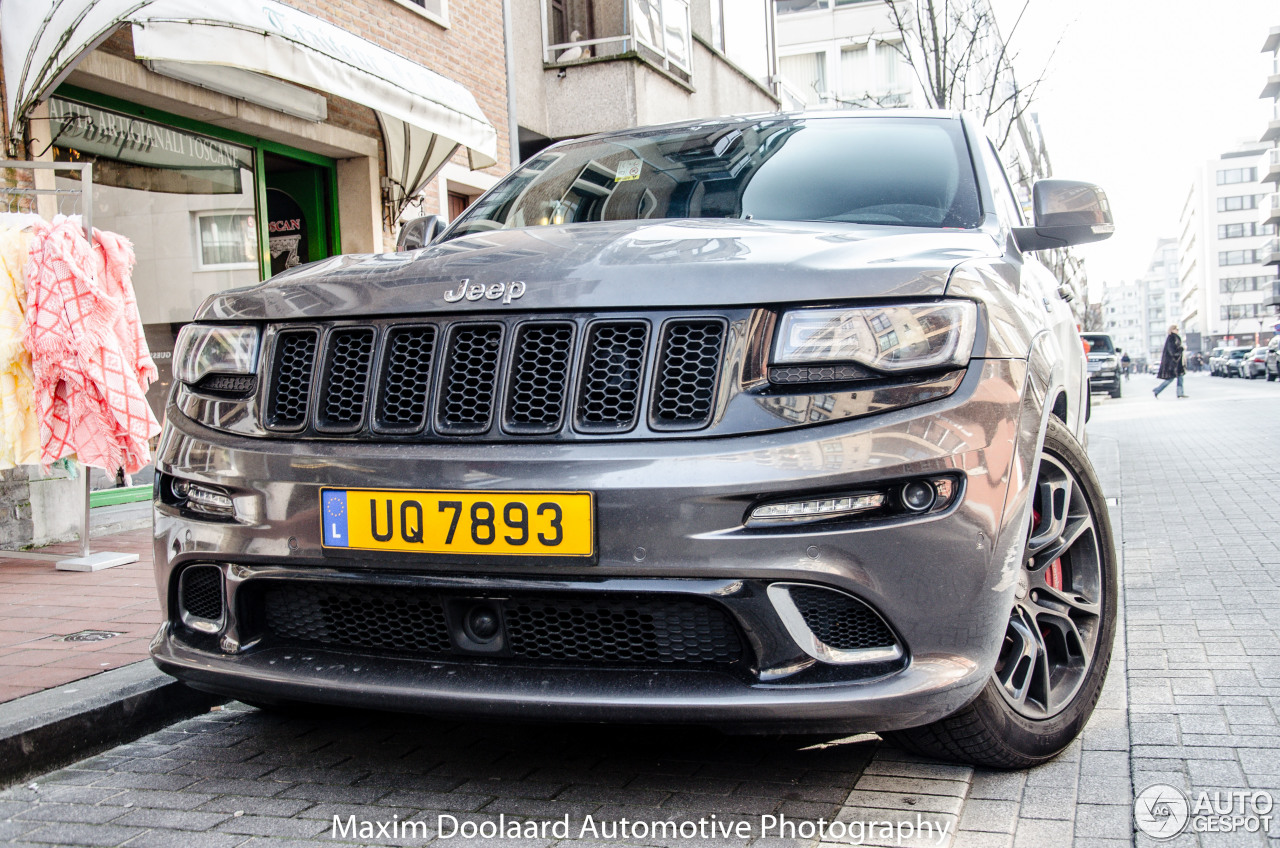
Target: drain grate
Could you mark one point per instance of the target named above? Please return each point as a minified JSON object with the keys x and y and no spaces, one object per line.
{"x":89,"y":636}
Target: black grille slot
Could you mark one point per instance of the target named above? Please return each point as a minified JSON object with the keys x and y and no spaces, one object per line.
{"x":292,"y":364}
{"x":470,"y":379}
{"x":406,"y":380}
{"x":539,"y":378}
{"x":839,"y":621}
{"x":612,"y":375}
{"x":202,"y":592}
{"x":344,"y":383}
{"x":644,"y":631}
{"x":684,"y":389}
{"x":356,"y":617}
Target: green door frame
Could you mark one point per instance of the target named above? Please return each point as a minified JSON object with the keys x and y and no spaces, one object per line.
{"x":260,"y":147}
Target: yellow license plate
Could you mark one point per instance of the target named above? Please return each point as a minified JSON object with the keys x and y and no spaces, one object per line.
{"x":447,"y":522}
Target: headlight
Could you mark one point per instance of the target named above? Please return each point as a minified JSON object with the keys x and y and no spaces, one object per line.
{"x":203,"y":349}
{"x":885,"y":338}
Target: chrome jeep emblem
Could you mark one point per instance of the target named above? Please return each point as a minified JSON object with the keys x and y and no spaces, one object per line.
{"x":506,"y":292}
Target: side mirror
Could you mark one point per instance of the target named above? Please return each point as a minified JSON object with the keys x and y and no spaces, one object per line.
{"x":419,"y":232}
{"x":1067,"y":212}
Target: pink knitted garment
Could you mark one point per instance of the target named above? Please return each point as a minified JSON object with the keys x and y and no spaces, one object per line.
{"x":89,"y":356}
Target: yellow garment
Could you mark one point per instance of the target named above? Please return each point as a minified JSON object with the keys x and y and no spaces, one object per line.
{"x":19,"y":429}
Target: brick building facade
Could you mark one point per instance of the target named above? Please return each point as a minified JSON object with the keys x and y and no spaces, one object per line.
{"x":222,"y":171}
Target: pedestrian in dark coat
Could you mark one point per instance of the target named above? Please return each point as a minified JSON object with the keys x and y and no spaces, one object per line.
{"x":1171,"y":367}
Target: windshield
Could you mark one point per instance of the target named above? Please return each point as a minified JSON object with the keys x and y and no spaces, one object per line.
{"x":1099,"y":344}
{"x":912,"y":172}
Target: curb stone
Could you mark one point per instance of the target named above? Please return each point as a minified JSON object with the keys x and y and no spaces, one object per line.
{"x":46,"y":730}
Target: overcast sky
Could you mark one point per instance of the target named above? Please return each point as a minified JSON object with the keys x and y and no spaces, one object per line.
{"x":1140,"y":93}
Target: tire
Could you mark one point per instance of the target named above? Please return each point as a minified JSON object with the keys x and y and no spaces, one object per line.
{"x":1117,"y":391}
{"x":1011,"y":729}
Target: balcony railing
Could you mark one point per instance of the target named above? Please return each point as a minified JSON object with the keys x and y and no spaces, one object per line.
{"x":656,"y":29}
{"x":1271,"y":209}
{"x":1270,"y":252}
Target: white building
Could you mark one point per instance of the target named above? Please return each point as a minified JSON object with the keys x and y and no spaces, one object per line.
{"x":1221,"y":247}
{"x":1271,"y":211}
{"x":1124,"y":316}
{"x":1162,"y":297}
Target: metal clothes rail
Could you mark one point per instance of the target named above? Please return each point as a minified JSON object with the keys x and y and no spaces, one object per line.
{"x":84,"y":194}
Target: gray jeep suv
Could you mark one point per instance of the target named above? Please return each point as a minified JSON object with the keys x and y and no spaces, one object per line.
{"x":768,"y":423}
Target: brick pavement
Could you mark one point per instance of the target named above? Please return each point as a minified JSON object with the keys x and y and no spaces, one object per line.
{"x":239,"y":777}
{"x":1202,"y":579}
{"x":39,"y":604}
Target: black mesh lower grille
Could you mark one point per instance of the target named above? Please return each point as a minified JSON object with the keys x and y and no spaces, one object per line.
{"x":470,"y":380}
{"x":644,"y":630}
{"x":839,"y":621}
{"x":202,"y":592}
{"x":356,"y":617}
{"x":684,"y":389}
{"x":292,"y":365}
{"x":640,"y":631}
{"x":345,"y":380}
{"x":612,"y":375}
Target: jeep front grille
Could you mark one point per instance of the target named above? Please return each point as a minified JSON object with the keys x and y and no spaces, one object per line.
{"x":495,"y":377}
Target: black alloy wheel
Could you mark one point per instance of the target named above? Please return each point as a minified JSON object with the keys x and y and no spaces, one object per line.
{"x":1057,"y":644}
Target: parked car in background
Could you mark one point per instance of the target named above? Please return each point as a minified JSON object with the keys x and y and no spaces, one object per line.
{"x":1254,"y":364}
{"x":1233,"y":361}
{"x":1215,"y":361}
{"x":1104,"y":364}
{"x":1272,"y":367}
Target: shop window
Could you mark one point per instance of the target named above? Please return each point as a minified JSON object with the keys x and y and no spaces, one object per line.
{"x":227,"y":240}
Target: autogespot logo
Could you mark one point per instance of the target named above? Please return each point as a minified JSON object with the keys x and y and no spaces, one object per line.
{"x":1161,"y":811}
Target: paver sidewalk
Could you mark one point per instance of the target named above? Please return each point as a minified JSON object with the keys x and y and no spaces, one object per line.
{"x":40,"y":605}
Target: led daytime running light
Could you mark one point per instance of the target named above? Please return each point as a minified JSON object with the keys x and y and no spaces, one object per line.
{"x":817,"y":508}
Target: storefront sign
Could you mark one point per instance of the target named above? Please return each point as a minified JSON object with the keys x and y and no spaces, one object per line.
{"x":128,"y":139}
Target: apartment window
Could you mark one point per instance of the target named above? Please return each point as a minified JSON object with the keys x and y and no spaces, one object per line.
{"x":1231,"y":176}
{"x":1245,"y":229}
{"x":1237,"y":202}
{"x":856,"y":81}
{"x":1228,"y":285}
{"x":436,"y":10}
{"x":807,"y":74}
{"x":1242,"y":310}
{"x":1237,"y":257}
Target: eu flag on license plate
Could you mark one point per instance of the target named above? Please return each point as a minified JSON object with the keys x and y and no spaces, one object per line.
{"x":334,"y":509}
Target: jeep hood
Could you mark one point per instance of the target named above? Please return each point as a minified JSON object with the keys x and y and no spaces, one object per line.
{"x":618,"y":265}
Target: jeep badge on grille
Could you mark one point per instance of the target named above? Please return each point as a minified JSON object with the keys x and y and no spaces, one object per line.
{"x":506,"y":292}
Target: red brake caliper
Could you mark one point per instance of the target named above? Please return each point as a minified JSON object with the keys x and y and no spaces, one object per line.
{"x":1052,"y":574}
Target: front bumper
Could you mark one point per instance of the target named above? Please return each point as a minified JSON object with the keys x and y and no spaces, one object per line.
{"x":670,"y":520}
{"x":1104,"y":380}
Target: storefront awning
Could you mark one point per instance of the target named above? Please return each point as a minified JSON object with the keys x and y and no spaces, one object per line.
{"x":424,"y":116}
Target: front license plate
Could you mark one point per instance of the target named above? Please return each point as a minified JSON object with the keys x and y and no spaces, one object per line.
{"x":446,"y":522}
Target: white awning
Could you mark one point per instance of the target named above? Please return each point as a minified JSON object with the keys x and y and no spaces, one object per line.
{"x":424,"y":116}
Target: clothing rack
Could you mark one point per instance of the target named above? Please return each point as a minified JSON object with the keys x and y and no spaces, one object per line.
{"x":84,"y":194}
